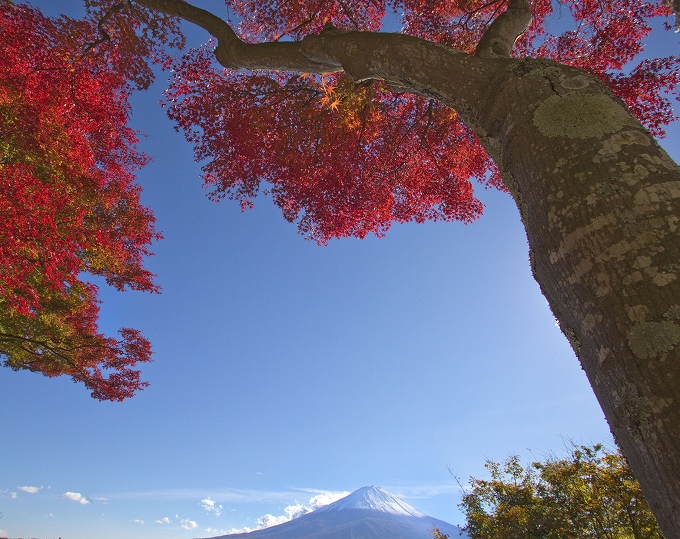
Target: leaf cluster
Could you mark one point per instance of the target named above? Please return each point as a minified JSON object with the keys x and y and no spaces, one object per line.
{"x":341,"y":159}
{"x":68,"y":203}
{"x":61,"y":338}
{"x":590,"y":493}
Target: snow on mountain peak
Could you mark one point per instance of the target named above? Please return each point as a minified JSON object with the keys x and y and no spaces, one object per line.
{"x":373,"y":499}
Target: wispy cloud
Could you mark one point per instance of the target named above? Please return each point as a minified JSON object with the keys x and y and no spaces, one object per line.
{"x":424,"y":491}
{"x":30,"y":490}
{"x":188,"y":524}
{"x":164,"y":520}
{"x":138,"y":521}
{"x":76,"y":497}
{"x":221,"y":495}
{"x":211,"y":507}
{"x":13,"y":495}
{"x":215,"y":531}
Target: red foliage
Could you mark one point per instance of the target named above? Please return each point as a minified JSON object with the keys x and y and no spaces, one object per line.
{"x":67,"y":197}
{"x":342,"y":160}
{"x":346,"y":160}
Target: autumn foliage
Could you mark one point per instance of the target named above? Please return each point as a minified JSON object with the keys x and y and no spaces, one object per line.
{"x":69,"y":205}
{"x":591,"y":492}
{"x":340,"y":158}
{"x":344,"y":159}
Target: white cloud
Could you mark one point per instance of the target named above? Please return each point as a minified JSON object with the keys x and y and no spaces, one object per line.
{"x":210,"y":506}
{"x":13,"y":495}
{"x":215,"y":531}
{"x":294,"y":511}
{"x":4,"y":533}
{"x":297,"y":510}
{"x":325,"y":498}
{"x":138,"y":521}
{"x":164,"y":520}
{"x":267,"y":521}
{"x":30,"y":490}
{"x":188,"y":524}
{"x":242,"y":530}
{"x":76,"y":497}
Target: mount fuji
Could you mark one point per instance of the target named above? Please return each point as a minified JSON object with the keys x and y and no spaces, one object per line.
{"x":367,"y":513}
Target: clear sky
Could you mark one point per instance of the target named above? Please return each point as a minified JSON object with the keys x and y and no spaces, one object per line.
{"x":284,"y":370}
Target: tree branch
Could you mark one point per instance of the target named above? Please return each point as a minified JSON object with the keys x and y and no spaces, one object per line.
{"x":499,"y":38}
{"x":362,"y":55}
{"x":234,"y":53}
{"x":103,"y":34}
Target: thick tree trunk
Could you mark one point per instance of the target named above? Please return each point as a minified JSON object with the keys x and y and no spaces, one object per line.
{"x":600,"y":203}
{"x":598,"y":197}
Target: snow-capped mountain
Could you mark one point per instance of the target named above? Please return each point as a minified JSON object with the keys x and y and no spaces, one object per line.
{"x":367,"y":513}
{"x":373,"y":499}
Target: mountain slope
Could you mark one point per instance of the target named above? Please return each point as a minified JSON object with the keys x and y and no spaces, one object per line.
{"x":367,"y":513}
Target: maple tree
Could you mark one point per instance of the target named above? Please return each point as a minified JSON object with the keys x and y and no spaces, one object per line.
{"x":349,"y":130}
{"x":589,"y":493}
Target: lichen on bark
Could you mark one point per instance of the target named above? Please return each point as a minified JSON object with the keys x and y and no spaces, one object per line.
{"x":579,"y":115}
{"x":636,"y":410}
{"x":673,"y":313}
{"x":649,"y":339}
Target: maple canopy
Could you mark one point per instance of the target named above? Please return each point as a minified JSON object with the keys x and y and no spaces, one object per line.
{"x":339,"y":157}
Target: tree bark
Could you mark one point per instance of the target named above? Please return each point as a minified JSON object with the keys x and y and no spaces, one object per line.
{"x":599,"y":201}
{"x":598,"y":197}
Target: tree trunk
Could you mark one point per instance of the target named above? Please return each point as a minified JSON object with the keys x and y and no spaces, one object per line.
{"x":597,"y":195}
{"x":599,"y":201}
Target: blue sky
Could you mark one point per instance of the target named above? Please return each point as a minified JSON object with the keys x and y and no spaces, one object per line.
{"x":285,"y":371}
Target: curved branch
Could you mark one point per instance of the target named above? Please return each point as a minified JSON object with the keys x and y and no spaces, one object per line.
{"x":499,"y":38}
{"x":58,"y":351}
{"x":103,"y":34}
{"x":234,"y":53}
